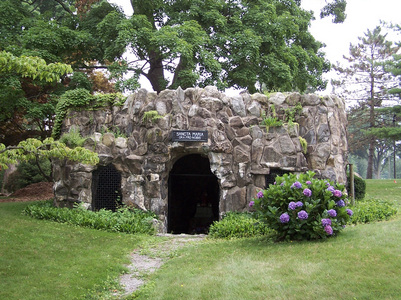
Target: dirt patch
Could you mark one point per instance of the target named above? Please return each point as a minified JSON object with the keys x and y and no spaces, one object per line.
{"x":32,"y":192}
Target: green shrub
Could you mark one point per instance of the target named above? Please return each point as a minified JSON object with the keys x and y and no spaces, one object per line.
{"x":28,"y":173}
{"x":73,"y":138}
{"x":123,"y":220}
{"x":152,"y":116}
{"x":359,"y":187}
{"x":300,"y":207}
{"x":1,"y":178}
{"x":371,"y":210}
{"x":237,"y":225}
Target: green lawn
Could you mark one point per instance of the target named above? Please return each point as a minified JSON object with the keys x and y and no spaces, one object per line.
{"x":363,"y":262}
{"x":384,"y":189}
{"x":46,"y":260}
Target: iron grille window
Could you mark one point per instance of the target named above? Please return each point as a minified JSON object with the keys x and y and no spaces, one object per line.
{"x":106,"y":188}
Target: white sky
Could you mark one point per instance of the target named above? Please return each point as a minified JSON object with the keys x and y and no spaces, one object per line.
{"x":361,"y":16}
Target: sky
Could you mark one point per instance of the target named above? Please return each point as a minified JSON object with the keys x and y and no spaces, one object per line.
{"x":361,"y":16}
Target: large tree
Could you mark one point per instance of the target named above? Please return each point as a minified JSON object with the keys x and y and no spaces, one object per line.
{"x":365,"y":79}
{"x":242,"y":44}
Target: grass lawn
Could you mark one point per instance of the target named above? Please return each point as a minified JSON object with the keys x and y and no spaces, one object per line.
{"x":46,"y":260}
{"x":363,"y":262}
{"x":384,"y":190}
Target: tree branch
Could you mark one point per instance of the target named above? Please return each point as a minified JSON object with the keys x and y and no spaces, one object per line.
{"x":66,"y":8}
{"x":48,"y":178}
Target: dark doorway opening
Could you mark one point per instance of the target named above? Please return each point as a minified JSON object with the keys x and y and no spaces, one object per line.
{"x":106,"y":188}
{"x":193,"y":196}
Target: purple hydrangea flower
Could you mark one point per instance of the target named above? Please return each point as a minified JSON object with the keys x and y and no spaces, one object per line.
{"x":282,"y":184}
{"x":308,"y":182}
{"x":331,"y":189}
{"x":340,"y":203}
{"x":292,"y":205}
{"x":326,"y":222}
{"x":303,"y":215}
{"x":275,"y":183}
{"x":349,"y":212}
{"x":337,"y":193}
{"x":296,"y":185}
{"x":299,"y":204}
{"x":259,"y":194}
{"x":332,"y":213}
{"x":252,"y":203}
{"x":284,"y":218}
{"x":328,"y":230}
{"x":307,"y":192}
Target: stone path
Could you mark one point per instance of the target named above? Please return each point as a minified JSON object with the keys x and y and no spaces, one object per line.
{"x":145,"y":262}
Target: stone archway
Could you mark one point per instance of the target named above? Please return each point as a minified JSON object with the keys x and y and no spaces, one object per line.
{"x":193,"y":198}
{"x":106,"y":188}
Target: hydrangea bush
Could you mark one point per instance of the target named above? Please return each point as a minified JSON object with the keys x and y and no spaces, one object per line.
{"x":301,"y":207}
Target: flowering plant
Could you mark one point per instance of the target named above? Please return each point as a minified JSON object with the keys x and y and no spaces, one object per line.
{"x":302,"y":207}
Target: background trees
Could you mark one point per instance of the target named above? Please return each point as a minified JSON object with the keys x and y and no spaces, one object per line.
{"x":366,"y":81}
{"x":57,"y":32}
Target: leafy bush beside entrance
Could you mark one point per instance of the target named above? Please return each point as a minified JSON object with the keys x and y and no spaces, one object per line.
{"x":300,"y":207}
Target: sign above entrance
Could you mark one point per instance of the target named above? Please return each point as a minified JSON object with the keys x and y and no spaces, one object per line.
{"x":189,"y":136}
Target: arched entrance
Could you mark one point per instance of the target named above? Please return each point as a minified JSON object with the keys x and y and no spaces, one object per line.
{"x":193,"y":202}
{"x":106,"y":188}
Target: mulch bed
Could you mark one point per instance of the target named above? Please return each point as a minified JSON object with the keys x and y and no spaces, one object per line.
{"x":33,"y":192}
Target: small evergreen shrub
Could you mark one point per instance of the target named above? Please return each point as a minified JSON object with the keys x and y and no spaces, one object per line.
{"x":238,"y":225}
{"x":1,"y":178}
{"x":28,"y":173}
{"x":152,"y":116}
{"x":300,"y":207}
{"x":123,"y":220}
{"x":73,"y":138}
{"x":371,"y":210}
{"x":359,"y":186}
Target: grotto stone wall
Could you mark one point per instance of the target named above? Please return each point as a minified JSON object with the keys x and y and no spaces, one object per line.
{"x":241,"y":151}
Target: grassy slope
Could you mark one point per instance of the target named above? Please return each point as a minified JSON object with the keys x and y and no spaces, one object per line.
{"x":46,"y":260}
{"x":364,"y":262}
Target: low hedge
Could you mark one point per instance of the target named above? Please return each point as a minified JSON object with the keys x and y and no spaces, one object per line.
{"x":372,"y":210}
{"x":238,"y":225}
{"x":123,"y":220}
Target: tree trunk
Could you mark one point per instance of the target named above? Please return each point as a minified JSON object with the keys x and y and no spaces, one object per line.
{"x":155,"y":74}
{"x":369,"y":172}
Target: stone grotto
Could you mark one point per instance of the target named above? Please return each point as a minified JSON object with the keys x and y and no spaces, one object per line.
{"x":192,"y":155}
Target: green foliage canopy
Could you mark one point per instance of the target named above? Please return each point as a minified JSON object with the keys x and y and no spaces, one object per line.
{"x":32,"y":149}
{"x":242,"y":44}
{"x":33,"y":67}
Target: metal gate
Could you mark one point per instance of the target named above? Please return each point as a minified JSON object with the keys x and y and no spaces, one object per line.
{"x":106,"y":188}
